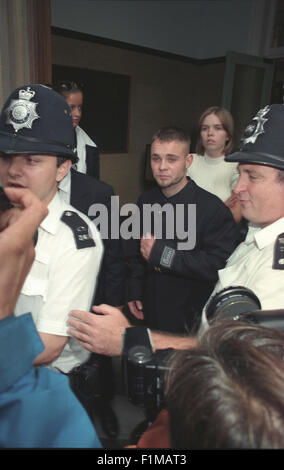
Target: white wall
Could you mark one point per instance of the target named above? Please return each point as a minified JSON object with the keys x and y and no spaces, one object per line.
{"x":199,"y":29}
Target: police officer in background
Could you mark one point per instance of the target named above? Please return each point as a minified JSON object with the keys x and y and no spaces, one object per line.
{"x":36,"y":152}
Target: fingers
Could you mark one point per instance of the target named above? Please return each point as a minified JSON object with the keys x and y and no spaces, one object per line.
{"x":80,"y":328}
{"x":147,"y":236}
{"x":23,"y":223}
{"x":83,"y":338}
{"x":106,"y":309}
{"x":139,"y":305}
{"x":136,"y":308}
{"x":83,"y":321}
{"x":79,"y":323}
{"x":34,"y":207}
{"x":101,"y":333}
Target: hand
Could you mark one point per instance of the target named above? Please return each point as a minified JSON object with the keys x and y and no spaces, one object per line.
{"x":232,"y":200}
{"x":17,"y":228}
{"x":146,"y":245}
{"x":101,"y":334}
{"x":136,"y":308}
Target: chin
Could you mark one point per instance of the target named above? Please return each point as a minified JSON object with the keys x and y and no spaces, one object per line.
{"x":163,"y":184}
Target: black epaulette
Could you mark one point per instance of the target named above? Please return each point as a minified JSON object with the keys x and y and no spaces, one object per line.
{"x":278,"y":260}
{"x":79,"y":228}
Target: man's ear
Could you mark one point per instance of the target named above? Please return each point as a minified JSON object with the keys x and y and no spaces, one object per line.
{"x":63,"y":169}
{"x":188,"y":160}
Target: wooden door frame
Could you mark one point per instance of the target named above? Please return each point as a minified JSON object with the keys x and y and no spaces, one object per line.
{"x":39,"y":21}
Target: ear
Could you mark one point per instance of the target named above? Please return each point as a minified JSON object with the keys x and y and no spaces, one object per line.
{"x":62,"y":170}
{"x":188,"y":160}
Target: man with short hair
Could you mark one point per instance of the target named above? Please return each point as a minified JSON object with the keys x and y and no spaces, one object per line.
{"x":256,"y":264}
{"x":36,"y":152}
{"x":171,"y":278}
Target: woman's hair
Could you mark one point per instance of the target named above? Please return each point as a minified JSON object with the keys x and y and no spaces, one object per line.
{"x":228,"y":393}
{"x":227,"y":122}
{"x":67,"y":88}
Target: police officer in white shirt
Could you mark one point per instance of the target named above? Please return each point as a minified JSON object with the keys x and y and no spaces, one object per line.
{"x":37,"y":151}
{"x":256,"y":264}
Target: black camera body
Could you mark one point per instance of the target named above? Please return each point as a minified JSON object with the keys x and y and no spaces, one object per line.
{"x":143,"y":370}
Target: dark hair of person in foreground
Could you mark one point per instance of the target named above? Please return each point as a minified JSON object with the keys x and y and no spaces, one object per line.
{"x":229,"y":392}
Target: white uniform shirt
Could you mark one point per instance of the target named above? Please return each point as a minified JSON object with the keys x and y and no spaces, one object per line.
{"x":64,"y":188}
{"x":214,"y":175}
{"x":62,"y":278}
{"x":82,"y":140}
{"x":250,"y":266}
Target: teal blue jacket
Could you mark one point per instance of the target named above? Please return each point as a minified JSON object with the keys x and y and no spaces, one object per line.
{"x":37,"y":406}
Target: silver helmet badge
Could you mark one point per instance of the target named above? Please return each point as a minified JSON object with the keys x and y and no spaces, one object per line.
{"x":22,"y":112}
{"x":255,"y":127}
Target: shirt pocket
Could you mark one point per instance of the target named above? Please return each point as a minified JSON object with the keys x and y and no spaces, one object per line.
{"x":35,"y":287}
{"x":235,"y":275}
{"x":36,"y":283}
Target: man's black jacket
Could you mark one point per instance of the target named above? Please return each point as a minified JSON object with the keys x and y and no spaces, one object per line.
{"x":86,"y":191}
{"x":175,"y":284}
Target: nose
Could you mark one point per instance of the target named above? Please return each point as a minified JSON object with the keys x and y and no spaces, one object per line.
{"x":14,"y":167}
{"x":163,"y":164}
{"x":241,"y":185}
{"x":77,"y":112}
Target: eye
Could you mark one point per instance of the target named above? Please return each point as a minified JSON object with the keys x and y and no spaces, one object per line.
{"x":4,"y":156}
{"x":31,"y":160}
{"x":252,"y":177}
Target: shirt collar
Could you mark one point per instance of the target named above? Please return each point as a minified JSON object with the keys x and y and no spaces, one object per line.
{"x":265,"y":236}
{"x":83,"y":138}
{"x":51,"y":221}
{"x":214,"y":161}
{"x":65,"y":183}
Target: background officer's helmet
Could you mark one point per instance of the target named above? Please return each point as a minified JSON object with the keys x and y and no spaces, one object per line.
{"x":36,"y":120}
{"x":263,"y":139}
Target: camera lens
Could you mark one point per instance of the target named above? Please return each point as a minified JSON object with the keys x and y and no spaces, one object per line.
{"x":231,"y":301}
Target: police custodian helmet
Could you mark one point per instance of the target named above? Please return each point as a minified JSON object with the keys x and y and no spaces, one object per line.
{"x":263,"y":139}
{"x":36,"y":120}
